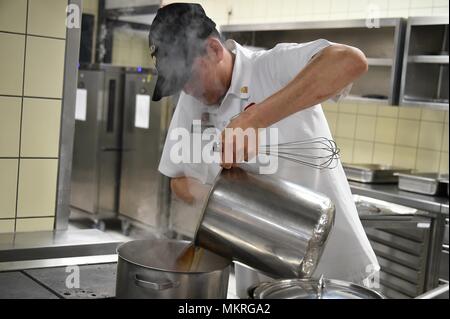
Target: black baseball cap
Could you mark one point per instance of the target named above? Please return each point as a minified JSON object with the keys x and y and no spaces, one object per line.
{"x":176,"y":38}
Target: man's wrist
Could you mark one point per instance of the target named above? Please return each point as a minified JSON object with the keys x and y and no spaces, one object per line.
{"x":257,"y":116}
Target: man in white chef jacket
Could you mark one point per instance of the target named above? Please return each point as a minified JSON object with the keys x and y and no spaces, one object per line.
{"x":286,"y":84}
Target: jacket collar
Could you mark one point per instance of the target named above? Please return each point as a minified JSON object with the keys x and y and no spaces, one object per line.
{"x":240,"y":78}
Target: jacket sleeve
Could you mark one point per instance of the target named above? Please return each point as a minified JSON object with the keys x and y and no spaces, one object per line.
{"x":286,"y":60}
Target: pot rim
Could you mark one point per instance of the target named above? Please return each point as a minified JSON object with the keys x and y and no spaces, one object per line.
{"x":261,"y":287}
{"x":167,"y":270}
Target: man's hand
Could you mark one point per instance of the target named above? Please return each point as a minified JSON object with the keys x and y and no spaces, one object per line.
{"x":240,"y":138}
{"x":188,"y":189}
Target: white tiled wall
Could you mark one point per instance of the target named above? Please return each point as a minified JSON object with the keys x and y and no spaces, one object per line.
{"x":42,"y":19}
{"x":34,"y":224}
{"x":32,"y":49}
{"x":11,"y":63}
{"x":44,"y":67}
{"x":13,"y":15}
{"x":261,"y":11}
{"x":130,"y":48}
{"x":40,"y":127}
{"x":411,"y":137}
{"x":10,"y":110}
{"x":8,"y":186}
{"x":37,"y":187}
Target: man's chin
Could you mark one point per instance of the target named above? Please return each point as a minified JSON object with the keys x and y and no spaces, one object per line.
{"x":208,"y":101}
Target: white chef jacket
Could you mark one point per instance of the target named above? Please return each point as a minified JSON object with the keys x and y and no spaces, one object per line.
{"x":348,"y":254}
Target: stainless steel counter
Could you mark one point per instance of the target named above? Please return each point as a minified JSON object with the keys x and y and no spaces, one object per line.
{"x":433,"y":208}
{"x":391,"y":193}
{"x":96,"y":281}
{"x":23,"y":250}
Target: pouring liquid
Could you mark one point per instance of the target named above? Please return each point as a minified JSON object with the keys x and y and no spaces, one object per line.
{"x":189,"y":258}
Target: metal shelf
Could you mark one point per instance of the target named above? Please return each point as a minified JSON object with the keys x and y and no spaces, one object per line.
{"x":366,"y":99}
{"x":307,"y":25}
{"x":433,"y":105}
{"x":424,"y":80}
{"x":380,"y":61}
{"x":383,"y":46}
{"x":436,"y":59}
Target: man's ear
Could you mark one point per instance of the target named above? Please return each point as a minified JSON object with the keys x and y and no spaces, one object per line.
{"x":215,"y":49}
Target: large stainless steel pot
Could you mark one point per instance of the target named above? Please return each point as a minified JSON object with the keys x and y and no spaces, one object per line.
{"x":313,"y":289}
{"x":267,"y":223}
{"x":151,"y":269}
{"x":247,"y":278}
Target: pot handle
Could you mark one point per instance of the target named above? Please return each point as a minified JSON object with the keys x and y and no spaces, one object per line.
{"x":140,"y":282}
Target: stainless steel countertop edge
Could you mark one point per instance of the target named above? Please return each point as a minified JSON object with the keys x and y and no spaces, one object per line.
{"x":391,"y":193}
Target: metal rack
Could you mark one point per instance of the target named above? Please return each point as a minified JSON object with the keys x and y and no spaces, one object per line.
{"x":383,"y":46}
{"x":404,"y":240}
{"x":424,"y":79}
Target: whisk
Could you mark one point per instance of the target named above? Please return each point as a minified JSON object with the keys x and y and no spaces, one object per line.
{"x":319,"y":152}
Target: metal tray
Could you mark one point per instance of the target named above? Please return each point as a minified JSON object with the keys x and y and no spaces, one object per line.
{"x":373,"y":173}
{"x":423,"y":183}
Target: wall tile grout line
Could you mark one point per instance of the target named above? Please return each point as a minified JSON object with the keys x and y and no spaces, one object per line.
{"x":45,"y":37}
{"x":395,"y":144}
{"x":390,"y":117}
{"x":375,"y":135}
{"x":440,"y":147}
{"x":28,"y":157}
{"x":373,"y":139}
{"x":33,"y":35}
{"x":33,"y":97}
{"x":28,"y":217}
{"x":418,"y":139}
{"x":409,"y":146}
{"x":21,"y":116}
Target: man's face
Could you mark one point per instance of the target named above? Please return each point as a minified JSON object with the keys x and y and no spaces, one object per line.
{"x":205,"y":82}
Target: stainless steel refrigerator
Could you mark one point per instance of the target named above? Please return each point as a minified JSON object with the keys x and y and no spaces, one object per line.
{"x":97,"y":141}
{"x":144,"y":192}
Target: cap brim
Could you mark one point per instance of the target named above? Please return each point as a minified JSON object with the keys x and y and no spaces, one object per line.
{"x":166,"y":87}
{"x":157,"y":94}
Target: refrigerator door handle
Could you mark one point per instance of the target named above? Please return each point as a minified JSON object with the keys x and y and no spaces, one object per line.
{"x":110,"y":116}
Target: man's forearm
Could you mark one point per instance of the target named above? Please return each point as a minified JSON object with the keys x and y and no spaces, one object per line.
{"x":330,"y":71}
